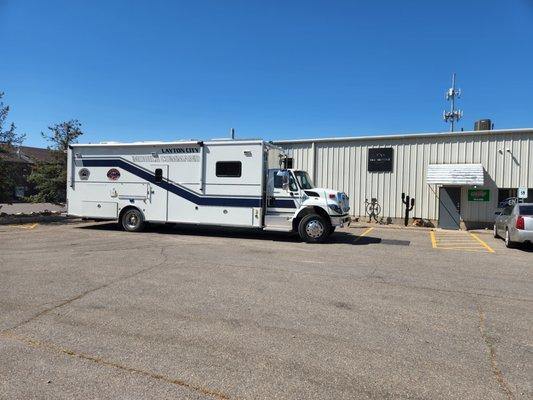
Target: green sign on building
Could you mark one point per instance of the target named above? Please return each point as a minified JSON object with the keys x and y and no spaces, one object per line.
{"x":478,"y":195}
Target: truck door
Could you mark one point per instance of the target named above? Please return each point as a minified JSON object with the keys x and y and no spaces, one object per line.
{"x":281,"y":203}
{"x":157,"y":205}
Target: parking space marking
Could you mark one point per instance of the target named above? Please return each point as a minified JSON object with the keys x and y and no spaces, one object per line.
{"x":433,"y":240}
{"x":25,"y":226}
{"x":485,"y":245}
{"x":364,"y":234}
{"x":461,"y":241}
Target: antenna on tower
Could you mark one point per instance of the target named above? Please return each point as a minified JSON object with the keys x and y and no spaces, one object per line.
{"x":452,"y":115}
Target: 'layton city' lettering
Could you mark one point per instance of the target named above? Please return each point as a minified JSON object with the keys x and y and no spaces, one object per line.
{"x":181,"y":150}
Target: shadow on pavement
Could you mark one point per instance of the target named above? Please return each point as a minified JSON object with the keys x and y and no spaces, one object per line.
{"x":526,"y":248}
{"x":237,"y":233}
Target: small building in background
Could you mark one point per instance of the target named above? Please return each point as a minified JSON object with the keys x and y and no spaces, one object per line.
{"x":458,"y":179}
{"x":21,"y":160}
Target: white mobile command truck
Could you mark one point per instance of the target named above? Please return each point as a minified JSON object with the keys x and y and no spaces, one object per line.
{"x":237,"y":183}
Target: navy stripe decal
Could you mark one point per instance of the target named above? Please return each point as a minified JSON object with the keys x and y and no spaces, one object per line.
{"x":279,"y":203}
{"x":193,"y":198}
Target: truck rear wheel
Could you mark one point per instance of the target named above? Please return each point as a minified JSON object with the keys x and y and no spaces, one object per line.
{"x":132,"y":220}
{"x":314,"y":228}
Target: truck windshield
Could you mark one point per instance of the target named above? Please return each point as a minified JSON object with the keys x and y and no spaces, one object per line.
{"x":304,"y":180}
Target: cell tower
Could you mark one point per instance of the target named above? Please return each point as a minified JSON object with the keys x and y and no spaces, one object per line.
{"x":452,"y":115}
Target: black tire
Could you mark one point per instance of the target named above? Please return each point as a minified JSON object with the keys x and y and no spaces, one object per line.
{"x":314,"y":228}
{"x":508,"y":243}
{"x":132,"y":220}
{"x":331,"y":230}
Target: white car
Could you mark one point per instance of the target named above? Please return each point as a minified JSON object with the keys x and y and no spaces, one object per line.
{"x":515,"y":224}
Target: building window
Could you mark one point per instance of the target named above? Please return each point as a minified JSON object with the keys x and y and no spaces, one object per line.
{"x":229,"y":169}
{"x":288,"y":163}
{"x":158,"y":175}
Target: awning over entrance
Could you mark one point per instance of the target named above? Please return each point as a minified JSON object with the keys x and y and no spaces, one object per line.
{"x":455,"y":174}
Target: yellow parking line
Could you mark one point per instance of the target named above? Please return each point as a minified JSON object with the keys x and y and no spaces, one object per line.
{"x":474,"y":246}
{"x":478,"y":250}
{"x":458,"y":241}
{"x":465,"y":239}
{"x":25,"y":226}
{"x":433,"y":241}
{"x":485,"y":245}
{"x":363,"y":234}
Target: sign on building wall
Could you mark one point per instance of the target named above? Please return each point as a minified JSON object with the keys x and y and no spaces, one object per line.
{"x":478,"y":195}
{"x":522,"y":192}
{"x":380,"y":159}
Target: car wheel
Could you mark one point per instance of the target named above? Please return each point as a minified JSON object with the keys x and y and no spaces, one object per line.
{"x":495,"y":232}
{"x":314,"y":228}
{"x":132,"y":220}
{"x":508,"y":242}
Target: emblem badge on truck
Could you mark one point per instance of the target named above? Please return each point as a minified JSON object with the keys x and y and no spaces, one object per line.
{"x":84,"y":174}
{"x":113,"y":174}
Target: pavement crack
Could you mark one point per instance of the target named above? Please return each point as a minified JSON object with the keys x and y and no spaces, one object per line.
{"x":31,"y":342}
{"x":496,"y":371}
{"x":85,"y":293}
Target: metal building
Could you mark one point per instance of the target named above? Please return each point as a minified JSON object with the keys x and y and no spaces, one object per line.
{"x":457,"y":179}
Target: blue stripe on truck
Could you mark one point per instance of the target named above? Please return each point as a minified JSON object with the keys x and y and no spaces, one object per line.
{"x":178,"y":191}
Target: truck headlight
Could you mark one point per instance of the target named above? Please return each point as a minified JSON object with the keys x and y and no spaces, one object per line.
{"x":335,"y":208}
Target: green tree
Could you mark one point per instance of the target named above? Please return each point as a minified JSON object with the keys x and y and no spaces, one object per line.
{"x":9,"y":138}
{"x":50,"y":178}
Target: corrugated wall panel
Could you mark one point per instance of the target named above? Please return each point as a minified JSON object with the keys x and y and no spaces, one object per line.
{"x":342,"y":165}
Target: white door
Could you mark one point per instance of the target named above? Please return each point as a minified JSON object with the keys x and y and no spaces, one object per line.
{"x":157,"y":204}
{"x":281,"y":202}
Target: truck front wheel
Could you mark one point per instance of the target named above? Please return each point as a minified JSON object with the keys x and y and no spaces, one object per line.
{"x":314,"y":228}
{"x":132,"y":220}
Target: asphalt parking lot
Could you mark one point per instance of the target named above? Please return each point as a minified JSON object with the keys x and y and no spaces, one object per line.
{"x":89,"y":311}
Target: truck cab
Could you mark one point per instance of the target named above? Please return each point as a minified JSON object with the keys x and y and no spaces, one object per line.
{"x":293,"y":203}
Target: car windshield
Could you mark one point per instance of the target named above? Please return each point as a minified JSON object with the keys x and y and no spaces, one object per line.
{"x":526,"y":210}
{"x":304,"y":180}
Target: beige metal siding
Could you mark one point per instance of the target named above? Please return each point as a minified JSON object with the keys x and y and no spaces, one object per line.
{"x":342,"y":165}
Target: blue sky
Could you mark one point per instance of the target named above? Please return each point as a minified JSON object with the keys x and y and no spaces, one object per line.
{"x":157,"y":70}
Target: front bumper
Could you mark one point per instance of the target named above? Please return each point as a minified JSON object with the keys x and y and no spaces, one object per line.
{"x":341,"y":220}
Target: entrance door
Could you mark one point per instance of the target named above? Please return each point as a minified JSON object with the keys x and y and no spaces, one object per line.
{"x":449,"y":207}
{"x":156,"y":209}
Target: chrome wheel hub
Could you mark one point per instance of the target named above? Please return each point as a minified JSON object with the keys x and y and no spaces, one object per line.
{"x":314,"y":229}
{"x":132,"y":220}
